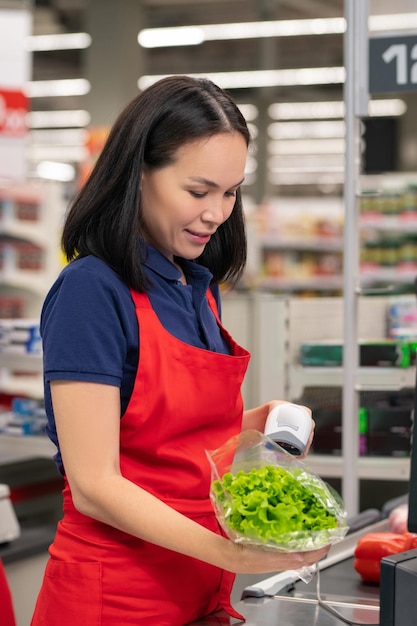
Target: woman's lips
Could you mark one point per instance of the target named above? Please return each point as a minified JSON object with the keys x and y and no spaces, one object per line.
{"x":201,"y":238}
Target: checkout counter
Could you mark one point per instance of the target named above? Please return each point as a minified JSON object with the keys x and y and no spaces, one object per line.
{"x":335,"y":596}
{"x":286,"y":600}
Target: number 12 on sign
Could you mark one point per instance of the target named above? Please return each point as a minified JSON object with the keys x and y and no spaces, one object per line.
{"x":393,"y":64}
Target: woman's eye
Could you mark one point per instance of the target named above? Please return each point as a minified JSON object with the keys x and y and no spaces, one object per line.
{"x":198,"y":194}
{"x":230,"y":194}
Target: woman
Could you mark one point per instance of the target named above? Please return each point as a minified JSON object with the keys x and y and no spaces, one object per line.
{"x":140,"y":376}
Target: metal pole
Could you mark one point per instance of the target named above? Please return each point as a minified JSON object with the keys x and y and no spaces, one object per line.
{"x":355,"y":97}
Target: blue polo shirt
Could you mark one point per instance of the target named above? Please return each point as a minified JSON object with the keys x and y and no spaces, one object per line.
{"x":89,"y":326}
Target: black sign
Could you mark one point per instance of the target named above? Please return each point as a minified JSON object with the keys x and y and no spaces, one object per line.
{"x":393,"y":64}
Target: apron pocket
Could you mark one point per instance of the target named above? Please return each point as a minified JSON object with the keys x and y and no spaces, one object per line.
{"x":70,"y":595}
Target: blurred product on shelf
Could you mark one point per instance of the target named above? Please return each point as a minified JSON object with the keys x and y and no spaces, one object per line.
{"x":402,"y":320}
{"x":11,"y":306}
{"x":328,"y":431}
{"x":378,"y":353}
{"x":297,"y":245}
{"x":389,"y":234}
{"x":20,"y":336}
{"x":20,"y":204}
{"x":20,"y":255}
{"x":30,"y":218}
{"x":298,"y":241}
{"x":25,"y":417}
{"x":382,"y":431}
{"x":400,"y":201}
{"x":389,"y":431}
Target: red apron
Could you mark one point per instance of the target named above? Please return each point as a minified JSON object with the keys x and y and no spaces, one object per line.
{"x":6,"y":603}
{"x":185,"y":400}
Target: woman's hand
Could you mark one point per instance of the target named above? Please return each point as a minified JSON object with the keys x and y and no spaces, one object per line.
{"x":248,"y":560}
{"x":310,"y":440}
{"x":256,"y":418}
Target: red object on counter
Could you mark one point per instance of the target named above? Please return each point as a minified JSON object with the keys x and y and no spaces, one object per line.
{"x":371,"y":548}
{"x":6,"y":604}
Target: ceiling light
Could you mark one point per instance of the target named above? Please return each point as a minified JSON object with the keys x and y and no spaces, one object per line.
{"x":307,"y":178}
{"x":387,"y":108}
{"x":166,"y":37}
{"x":306,"y":163}
{"x":60,"y":136}
{"x":328,"y":110}
{"x":307,"y":146}
{"x":265,"y":78}
{"x":305,"y":110}
{"x":52,"y":170}
{"x":74,"y":154}
{"x":195,"y":35}
{"x":400,"y":21}
{"x":306,"y":130}
{"x":59,"y":41}
{"x":53,"y":88}
{"x":58,"y":119}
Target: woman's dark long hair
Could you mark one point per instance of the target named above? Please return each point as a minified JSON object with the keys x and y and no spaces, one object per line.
{"x":105,"y":218}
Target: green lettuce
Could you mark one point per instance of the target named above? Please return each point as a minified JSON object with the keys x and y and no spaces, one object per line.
{"x":272,"y":505}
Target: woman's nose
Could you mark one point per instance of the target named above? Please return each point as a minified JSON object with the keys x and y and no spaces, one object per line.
{"x":217,"y":211}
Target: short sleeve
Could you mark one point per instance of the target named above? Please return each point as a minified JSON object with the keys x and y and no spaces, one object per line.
{"x":85,"y":325}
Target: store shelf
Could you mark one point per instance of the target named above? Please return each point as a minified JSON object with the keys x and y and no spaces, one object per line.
{"x":316,"y":244}
{"x":27,"y":386}
{"x":375,"y":378}
{"x":369,"y":468}
{"x":392,"y":275}
{"x":31,"y":281}
{"x":23,"y":230}
{"x":307,"y":283}
{"x":390,"y":223}
{"x":22,"y":448}
{"x":21,"y":362}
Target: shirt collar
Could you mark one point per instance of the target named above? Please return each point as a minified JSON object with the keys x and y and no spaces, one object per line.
{"x":158,"y":263}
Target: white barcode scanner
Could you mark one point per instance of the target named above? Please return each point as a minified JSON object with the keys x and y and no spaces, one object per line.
{"x":289,"y":425}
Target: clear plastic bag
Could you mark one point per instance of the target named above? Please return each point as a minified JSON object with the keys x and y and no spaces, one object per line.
{"x":265,"y":497}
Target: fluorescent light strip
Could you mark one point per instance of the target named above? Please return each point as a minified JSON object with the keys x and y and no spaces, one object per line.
{"x":52,"y":170}
{"x":306,"y":146}
{"x":307,"y":130}
{"x":387,"y":108}
{"x":308,"y":170}
{"x":196,"y":35}
{"x":75,"y":154}
{"x":58,"y":41}
{"x":328,"y":110}
{"x":53,"y":88}
{"x":307,"y":178}
{"x":60,"y":136}
{"x":306,"y":110}
{"x":265,"y":78}
{"x":393,"y":22}
{"x":58,"y":119}
{"x":308,"y":162}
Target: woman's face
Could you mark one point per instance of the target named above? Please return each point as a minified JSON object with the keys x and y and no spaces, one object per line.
{"x":185,"y":202}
